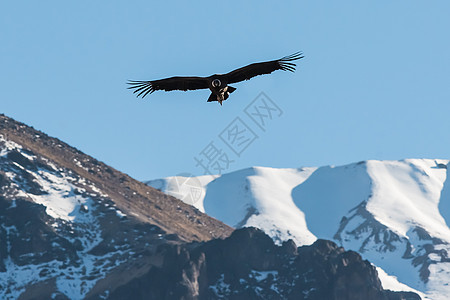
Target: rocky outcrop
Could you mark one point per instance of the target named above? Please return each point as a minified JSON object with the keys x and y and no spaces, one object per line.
{"x":248,"y":265}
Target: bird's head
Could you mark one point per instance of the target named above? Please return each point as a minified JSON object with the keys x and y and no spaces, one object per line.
{"x":216,"y":83}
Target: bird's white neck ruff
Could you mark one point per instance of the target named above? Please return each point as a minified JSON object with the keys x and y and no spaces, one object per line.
{"x":216,"y":83}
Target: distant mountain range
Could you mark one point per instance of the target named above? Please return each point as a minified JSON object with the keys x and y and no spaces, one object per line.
{"x":72,"y":227}
{"x":394,"y":213}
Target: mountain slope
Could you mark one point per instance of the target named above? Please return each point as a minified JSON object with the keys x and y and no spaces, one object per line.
{"x":131,"y":196}
{"x":70,"y":225}
{"x":389,"y":211}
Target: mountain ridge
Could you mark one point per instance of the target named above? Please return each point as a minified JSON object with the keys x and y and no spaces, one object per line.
{"x":248,"y":265}
{"x":389,"y":211}
{"x":135,"y":195}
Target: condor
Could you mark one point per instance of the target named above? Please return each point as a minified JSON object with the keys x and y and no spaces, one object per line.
{"x":218,"y":83}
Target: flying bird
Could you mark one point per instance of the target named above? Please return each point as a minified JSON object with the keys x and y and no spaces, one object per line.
{"x":217,"y":83}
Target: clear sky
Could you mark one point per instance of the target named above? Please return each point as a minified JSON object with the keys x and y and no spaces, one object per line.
{"x":374,"y":84}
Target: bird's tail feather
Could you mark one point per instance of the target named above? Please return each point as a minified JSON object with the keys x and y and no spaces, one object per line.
{"x":212,"y":98}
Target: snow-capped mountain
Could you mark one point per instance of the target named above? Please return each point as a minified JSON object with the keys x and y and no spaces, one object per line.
{"x":72,"y":227}
{"x":392,"y":212}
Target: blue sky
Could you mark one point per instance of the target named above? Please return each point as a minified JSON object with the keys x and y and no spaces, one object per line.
{"x":374,"y":83}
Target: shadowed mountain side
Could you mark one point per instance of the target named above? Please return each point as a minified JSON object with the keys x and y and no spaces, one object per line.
{"x":248,"y":265}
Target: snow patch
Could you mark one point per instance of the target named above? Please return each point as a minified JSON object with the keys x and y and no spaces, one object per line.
{"x":391,"y":283}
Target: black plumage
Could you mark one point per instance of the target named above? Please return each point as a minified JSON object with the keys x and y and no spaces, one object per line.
{"x":217,"y":83}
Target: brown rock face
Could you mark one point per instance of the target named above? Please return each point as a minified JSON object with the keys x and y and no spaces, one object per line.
{"x":131,"y":196}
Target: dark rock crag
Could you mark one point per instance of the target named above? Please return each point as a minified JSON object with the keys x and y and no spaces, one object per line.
{"x":248,"y":265}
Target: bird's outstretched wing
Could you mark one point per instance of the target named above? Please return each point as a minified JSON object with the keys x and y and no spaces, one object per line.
{"x":143,"y":88}
{"x":247,"y":72}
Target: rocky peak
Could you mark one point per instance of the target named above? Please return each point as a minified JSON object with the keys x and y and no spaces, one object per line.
{"x":248,"y":265}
